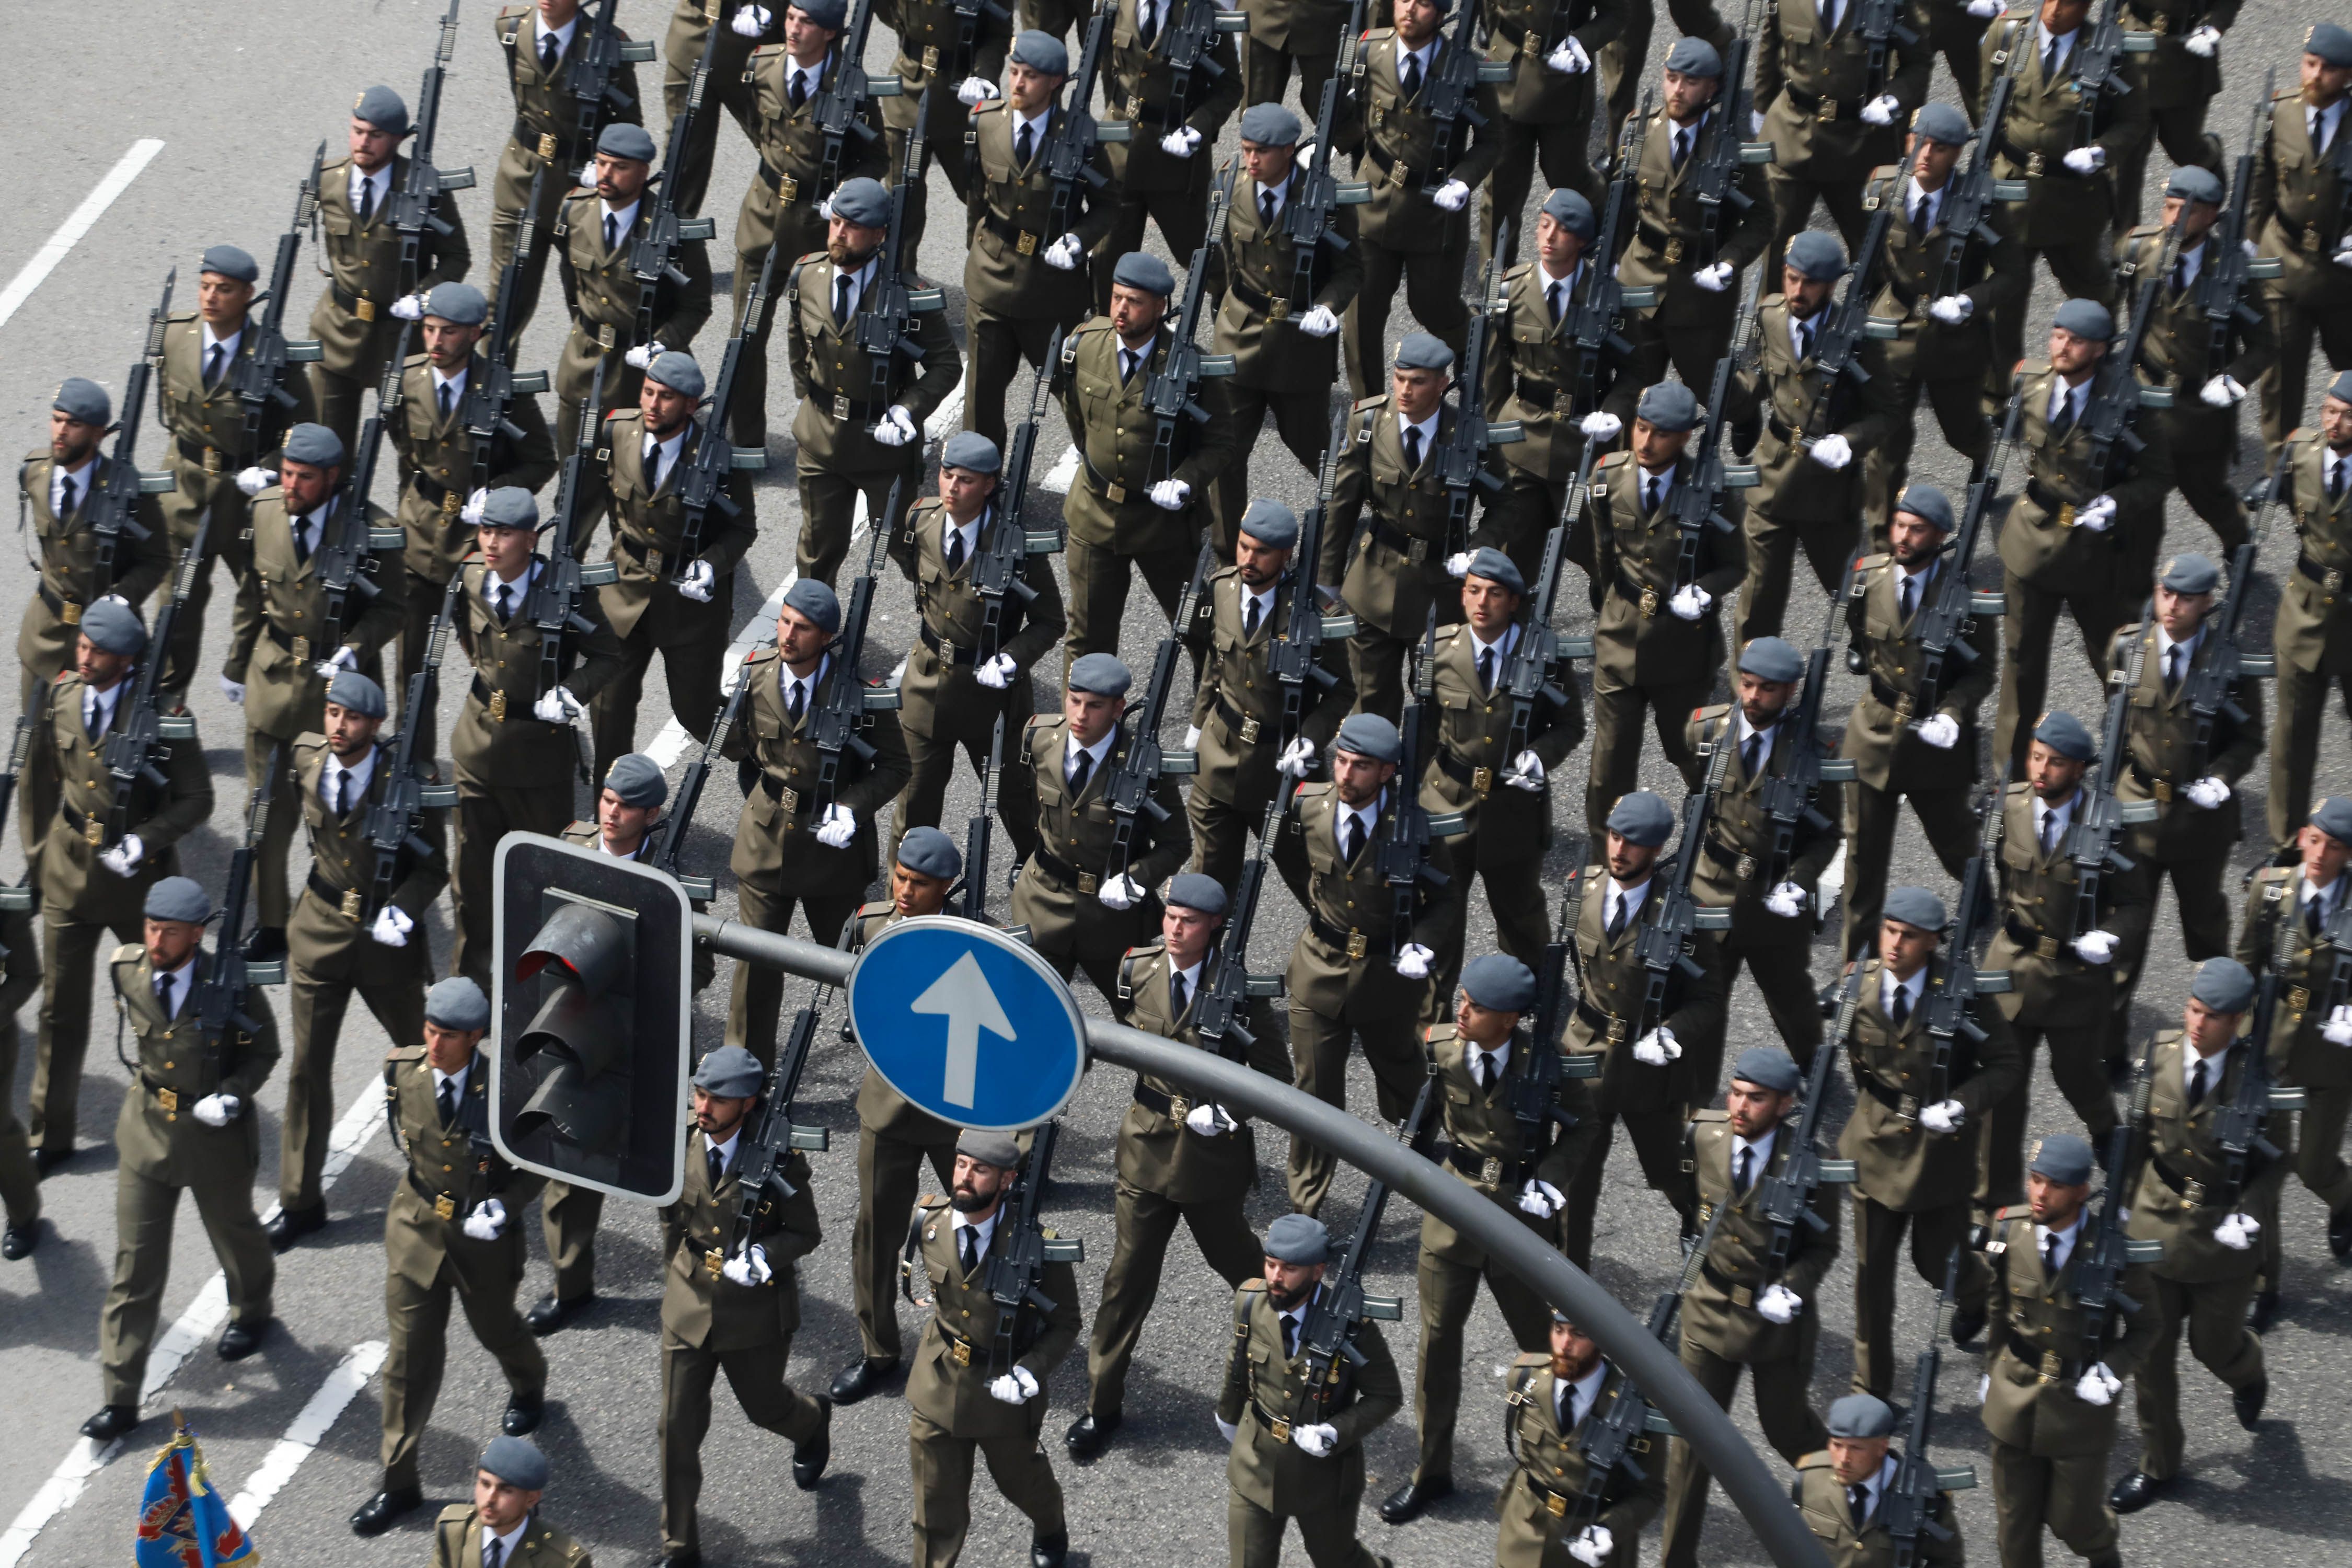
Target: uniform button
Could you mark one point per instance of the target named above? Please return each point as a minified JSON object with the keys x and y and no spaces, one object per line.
{"x":168,"y":1066}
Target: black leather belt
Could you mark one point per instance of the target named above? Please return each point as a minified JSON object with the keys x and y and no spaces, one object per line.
{"x":1150,"y":114}
{"x":58,"y":606}
{"x":1593,"y":1017}
{"x":1741,"y":861}
{"x":944,"y":648}
{"x":1060,"y":870}
{"x":359,"y":305}
{"x":1782,"y":429}
{"x":490,"y":699}
{"x":1027,"y":241}
{"x":431,"y":488}
{"x":2037,"y":942}
{"x":1355,"y":943}
{"x":799,"y":806}
{"x":329,"y":892}
{"x":2051,"y":165}
{"x":1529,"y":386}
{"x":2050,"y":500}
{"x":775,"y":179}
{"x":1485,"y":1168}
{"x":1887,"y":696}
{"x":1396,"y":539}
{"x":1383,"y":162}
{"x":1161,"y":1104}
{"x":2053,"y":1367}
{"x":197,"y":451}
{"x":1462,"y":772}
{"x":1265,"y":304}
{"x":1246,"y":729}
{"x":1879,"y":1092}
{"x":1814,"y":105}
{"x":549,"y":144}
{"x":2326,"y":578}
{"x":76,"y":820}
{"x":1741,"y":1295}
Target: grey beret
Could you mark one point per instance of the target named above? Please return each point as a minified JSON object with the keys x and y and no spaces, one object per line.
{"x":1928,"y":504}
{"x":816,"y":602}
{"x":1297,"y":1239}
{"x":827,"y":14}
{"x":2197,"y":185}
{"x":315,"y":445}
{"x":230,"y":261}
{"x":622,"y":140}
{"x":1769,"y":1066}
{"x":862,"y":200}
{"x":1942,"y":122}
{"x":2330,"y":43}
{"x":2063,"y":1157}
{"x":382,"y":108}
{"x":1141,"y":270}
{"x":355,"y":694}
{"x":1369,"y":736}
{"x":1201,"y":894}
{"x":928,"y":852}
{"x":731,"y":1073}
{"x":2340,"y":389}
{"x":1572,"y":212}
{"x":1270,"y":125}
{"x":1420,"y":350}
{"x":2189,"y":573}
{"x":1041,"y":51}
{"x":179,"y":899}
{"x":1772,"y":659}
{"x":2064,"y":734}
{"x":509,"y":506}
{"x":1100,"y":675}
{"x":2333,"y":816}
{"x":1914,"y":907}
{"x":516,"y":1461}
{"x":1695,"y":56}
{"x":676,"y":369}
{"x":996,"y":1148}
{"x":1669,"y":406}
{"x":973,"y":452}
{"x":1816,"y":255}
{"x":1641,"y":817}
{"x":637,"y":779}
{"x":457,"y":1003}
{"x":460,"y":303}
{"x":78,"y":398}
{"x":113,"y":627}
{"x":2224,"y":985}
{"x":1500,"y":983}
{"x":1861,"y":1415}
{"x":2084,"y":319}
{"x":1497,"y":567}
{"x":1271,"y":523}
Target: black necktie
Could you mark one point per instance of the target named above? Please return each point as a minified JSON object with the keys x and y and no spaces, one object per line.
{"x":1249,"y":616}
{"x":1747,"y":1171}
{"x":1265,"y":206}
{"x":1919,"y":216}
{"x":1857,"y":1502}
{"x":2197,"y":1085}
{"x":653,"y":464}
{"x":2336,"y":481}
{"x":447,"y":397}
{"x":1289,"y":1336}
{"x":1352,"y":839}
{"x":212,"y":364}
{"x":1683,"y":144}
{"x":1176,"y":992}
{"x":2172,"y":667}
{"x":343,"y":792}
{"x":1751,"y":754}
{"x":1552,"y":299}
{"x":955,"y":548}
{"x":2049,"y":831}
{"x":1653,"y":489}
{"x":303,"y":540}
{"x":2179,"y":275}
{"x":841,"y":292}
{"x":718,"y":1169}
{"x":2319,"y":133}
{"x":367,"y":199}
{"x":505,"y":603}
{"x":1485,"y":669}
{"x":1617,"y":916}
{"x":1148,"y":24}
{"x":799,"y":93}
{"x":548,"y":53}
{"x":2315,"y":910}
{"x":163,"y":994}
{"x":2050,"y":61}
{"x":1804,"y":340}
{"x":2049,"y":1255}
{"x":1082,"y":767}
{"x":1486,"y":1072}
{"x":1412,"y":449}
{"x":612,"y":231}
{"x":101,"y":710}
{"x":1910,"y":597}
{"x":968,"y":1242}
{"x":1410,"y":84}
{"x":448,"y":1099}
{"x":1022,"y":144}
{"x":796,"y":701}
{"x":1128,"y":359}
{"x":1902,"y":1012}
{"x":494,"y":1552}
{"x":65,"y":497}
{"x":1567,"y":1409}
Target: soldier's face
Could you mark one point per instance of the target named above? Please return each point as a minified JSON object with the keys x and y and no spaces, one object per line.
{"x":1755,"y":1109}
{"x":1806,"y":296}
{"x":1905,"y":948}
{"x":1489,"y":605}
{"x":2209,"y":1031}
{"x":506,"y":551}
{"x":1932,"y":162}
{"x":621,"y":180}
{"x":1416,"y":20}
{"x":1360,"y":779}
{"x":1654,"y":449}
{"x":2335,"y":422}
{"x":2197,"y":223}
{"x":1574,"y":1356}
{"x":978,"y":1184}
{"x":1028,"y":89}
{"x":2063,"y":16}
{"x":169,"y":943}
{"x":1418,"y":392}
{"x":1688,"y":96}
{"x":447,"y":343}
{"x":1561,"y":246}
{"x":1259,"y":563}
{"x":1486,"y":1026}
{"x":99,"y":667}
{"x":70,"y":441}
{"x":848,"y":243}
{"x":2052,"y":774}
{"x":371,"y":149}
{"x":2054,"y":1204}
{"x":306,"y":485}
{"x":719,"y":1114}
{"x":1289,"y":1283}
{"x":450,"y":1049}
{"x":800,"y":641}
{"x":1268,"y":165}
{"x":624,"y":827}
{"x":1630,"y":863}
{"x":222,"y":300}
{"x":2323,"y":83}
{"x":1188,"y":933}
{"x":803,"y":39}
{"x":664,"y":408}
{"x":1091,"y":714}
{"x":2181,"y":614}
{"x":2322,"y":858}
{"x":1763,"y":701}
{"x":556,"y":13}
{"x":501,"y":1504}
{"x":1913,"y":538}
{"x":349,"y":732}
{"x":965,"y":492}
{"x":1857,"y":1458}
{"x":913,"y":894}
{"x":1136,"y":313}
{"x":2074,"y":357}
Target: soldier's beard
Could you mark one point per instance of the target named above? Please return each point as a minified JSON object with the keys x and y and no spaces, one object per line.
{"x":841,"y":254}
{"x":1285,"y":1301}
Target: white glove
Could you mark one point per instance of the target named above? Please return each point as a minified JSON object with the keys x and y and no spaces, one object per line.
{"x":391,"y":926}
{"x":1786,"y":901}
{"x":824,"y":208}
{"x":1191,"y":737}
{"x":1318,"y":1440}
{"x":2338,"y":1030}
{"x":751,"y":21}
{"x":1297,"y":758}
{"x":1882,"y":110}
{"x":1412,"y":961}
{"x":1778,"y":1304}
{"x":1181,"y":144}
{"x":472,"y":510}
{"x":1226,"y":1429}
{"x":1940,"y":731}
{"x":1984,"y":1379}
{"x":2344,"y":257}
{"x":1601,"y":426}
{"x":1120,"y":892}
{"x":253,"y":481}
{"x":2095,"y":946}
{"x":748,"y":1267}
{"x":1984,"y":10}
{"x":1541,"y":1199}
{"x":2098,"y":516}
{"x":1592,"y":1545}
{"x":1690,"y":603}
{"x":697,"y":581}
{"x":342,"y":659}
{"x":218,"y":1110}
{"x":838,"y":827}
{"x":2208,"y":793}
{"x":1525,"y":772}
{"x":1061,"y":255}
{"x":895,"y":428}
{"x":1715,"y":279}
{"x":1756,"y":122}
{"x":1458,"y":564}
{"x":1318,"y":322}
{"x":1210,"y":1120}
{"x":1569,"y":58}
{"x":487,"y":1220}
{"x":2204,"y":42}
{"x":1170,"y":495}
{"x":2086,"y":160}
{"x":996,"y":673}
{"x":1452,"y":195}
{"x":556,"y":707}
{"x":124,"y":858}
{"x":644,"y":354}
{"x":2098,"y":1386}
{"x":409,"y":307}
{"x":2237,"y":1231}
{"x":1016,"y":1387}
{"x":1833,"y":452}
{"x":2221,"y":392}
{"x":1944,"y":1116}
{"x":233,"y":690}
{"x":974,"y":91}
{"x":1953,"y":309}
{"x":1657,"y":1048}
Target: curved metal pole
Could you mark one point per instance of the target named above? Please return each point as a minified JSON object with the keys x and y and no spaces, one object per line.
{"x":1747,"y":1481}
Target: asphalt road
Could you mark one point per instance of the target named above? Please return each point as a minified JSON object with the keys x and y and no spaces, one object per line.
{"x":238,"y":97}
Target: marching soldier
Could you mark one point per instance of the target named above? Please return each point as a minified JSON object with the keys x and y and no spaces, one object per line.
{"x":1286,"y":352}
{"x":1898,"y":753}
{"x":1554,"y":1392}
{"x":792,"y":848}
{"x":960,"y":1397}
{"x":1624,"y":59}
{"x":1664,"y":664}
{"x":285,"y":646}
{"x":1834,"y":103}
{"x":1353,"y":976}
{"x":504,"y":1523}
{"x":1548,"y":105}
{"x":948,"y":696}
{"x":725,"y":32}
{"x":1481,"y":1061}
{"x":1417,"y":229}
{"x":2312,"y":636}
{"x":731,"y":1302}
{"x":2207,"y":1218}
{"x":546,"y":135}
{"x":1021,"y":284}
{"x":1287,"y":34}
{"x":447,"y":1230}
{"x":1178,"y":1158}
{"x":1841,"y":1492}
{"x":840,"y":459}
{"x":1771,"y":932}
{"x":1161,"y":171}
{"x":2049,"y":1408}
{"x":2177,"y":83}
{"x":1081,"y":911}
{"x":1737,"y":1315}
{"x":1912,"y":1135}
{"x":2061,"y":978}
{"x":952,"y":68}
{"x":2297,"y":214}
{"x":2078,"y":540}
{"x":1120,"y":520}
{"x":341,"y":940}
{"x":93,"y":877}
{"x":357,"y":319}
{"x":188,"y":1123}
{"x":1298,"y":1453}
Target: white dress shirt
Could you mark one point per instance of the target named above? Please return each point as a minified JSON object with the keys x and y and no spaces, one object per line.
{"x":1368,"y":814}
{"x":83,"y":478}
{"x":518,"y":588}
{"x":509,"y":1543}
{"x":208,"y":342}
{"x":1558,"y":293}
{"x":1656,"y":485}
{"x":2329,"y":461}
{"x":2329,"y":896}
{"x":726,"y":1152}
{"x":859,"y":281}
{"x":1191,"y":979}
{"x":1494,"y":1063}
{"x":1501,"y":646}
{"x":668,"y":448}
{"x":2189,"y":263}
{"x":2042,"y":813}
{"x":949,"y":529}
{"x":2060,"y":393}
{"x":787,"y":682}
{"x":1630,"y":898}
{"x":644,"y":842}
{"x":1912,"y":191}
{"x":985,"y":1231}
{"x":441,"y":1078}
{"x":2188,"y":646}
{"x":330,"y":777}
{"x":1428,"y":428}
{"x":2324,"y":125}
{"x":1281,"y":195}
{"x":381,"y":180}
{"x":1742,"y":729}
{"x":1298,"y":1316}
{"x":456,"y":385}
{"x":1916,"y":987}
{"x":2044,"y":38}
{"x":1763,"y":1150}
{"x":1873,"y":1488}
{"x":1426,"y":55}
{"x":1924,"y":573}
{"x":183,"y":980}
{"x":623,"y":219}
{"x":98,"y":707}
{"x":810,"y":78}
{"x":1264,"y":599}
{"x":1038,"y":125}
{"x":540,"y":32}
{"x":1797,"y":330}
{"x":1587,"y":1389}
{"x":2215,"y":1065}
{"x":2067,"y":1238}
{"x":1099,"y":752}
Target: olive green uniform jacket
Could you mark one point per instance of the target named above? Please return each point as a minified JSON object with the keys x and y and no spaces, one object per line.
{"x":2049,"y":986}
{"x":1263,"y":1388}
{"x":2161,"y":736}
{"x":1238,"y":706}
{"x":497,"y":744}
{"x":1011,"y":204}
{"x":70,"y":579}
{"x":1812,"y":87}
{"x":604,"y":294}
{"x":1157,"y":1153}
{"x":352,"y":321}
{"x":1796,"y":489}
{"x":1531,"y":373}
{"x":282,"y":633}
{"x":1902,"y":1165}
{"x":958,"y":1357}
{"x":329,"y":933}
{"x":702,"y":1311}
{"x":1395,"y":139}
{"x":1109,"y":505}
{"x":446,"y":1174}
{"x":458,"y":1543}
{"x":833,"y":378}
{"x":1252,"y":275}
{"x":2036,"y":1338}
{"x":2043,"y":126}
{"x":1608,"y":1016}
{"x":1522,"y":32}
{"x":2313,"y":632}
{"x":1139,"y":87}
{"x":1821,"y":1497}
{"x":157,"y":1135}
{"x":1718,"y":1310}
{"x":1734,"y":859}
{"x":1551,"y":1471}
{"x":2299,"y":1053}
{"x":1667,"y":245}
{"x":2297,"y":210}
{"x":1391,"y":568}
{"x":1486,"y":1145}
{"x":439,"y":467}
{"x":73,"y":884}
{"x":2039,"y":540}
{"x":1638,"y":640}
{"x":1911,"y":278}
{"x":2181,"y":1195}
{"x":776,"y":838}
{"x":937,"y":695}
{"x":649,"y":544}
{"x":1879,"y":740}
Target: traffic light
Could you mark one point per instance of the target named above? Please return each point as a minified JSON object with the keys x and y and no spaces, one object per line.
{"x":590,"y":1030}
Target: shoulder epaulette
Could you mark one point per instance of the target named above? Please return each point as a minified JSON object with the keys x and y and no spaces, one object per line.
{"x":2033,"y":367}
{"x":1314,"y":791}
{"x":1820,"y":1461}
{"x":878,"y":907}
{"x":930,"y":1201}
{"x":1520,"y":271}
{"x":2277,"y":873}
{"x":1714,"y":711}
{"x":1364,"y":404}
{"x":1249,"y":1285}
{"x":2019,"y":789}
{"x":2008,"y":1211}
{"x":988,"y":106}
{"x":131,"y":953}
{"x":1533,"y":1359}
{"x":404,"y":1054}
{"x":1718,"y":1115}
{"x":1441,"y":1032}
{"x":757,"y":654}
{"x":1874,"y":562}
{"x":1378,"y":33}
{"x":456,"y":1513}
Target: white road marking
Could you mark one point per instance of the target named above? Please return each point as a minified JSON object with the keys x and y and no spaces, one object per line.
{"x":342,"y":1384}
{"x":69,"y":234}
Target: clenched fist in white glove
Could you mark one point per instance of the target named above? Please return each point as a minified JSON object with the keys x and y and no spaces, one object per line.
{"x":1778,"y":1304}
{"x":1121,"y":893}
{"x":472,"y":510}
{"x":1715,"y":279}
{"x":2098,"y":515}
{"x":2099,"y":1387}
{"x":1210,"y":1120}
{"x":488,"y":1221}
{"x":1657,"y":1048}
{"x":124,"y":858}
{"x":2338,"y":1030}
{"x":1690,"y":602}
{"x":1786,"y":901}
{"x":1600,"y":425}
{"x":1452,"y":195}
{"x":644,"y":354}
{"x":1297,"y":758}
{"x":2095,"y":946}
{"x":1016,"y":1387}
{"x":1833,"y":452}
{"x":895,"y":428}
{"x":233,"y":690}
{"x":1756,"y":122}
{"x":1984,"y":10}
{"x":1317,"y":1440}
{"x":2086,"y":160}
{"x":1320,"y":322}
{"x":409,"y":307}
{"x":1952,"y":309}
{"x":2221,"y":392}
{"x":253,"y":481}
{"x":751,"y":21}
{"x":2344,"y":257}
{"x":1882,"y":110}
{"x":391,"y":926}
{"x":748,"y":1267}
{"x":1940,"y":731}
{"x":975,"y":91}
{"x":2237,"y":1231}
{"x":1569,"y":58}
{"x":1525,"y":772}
{"x":2203,"y":41}
{"x":342,"y":658}
{"x":2208,"y":793}
{"x":696,"y":580}
{"x":996,"y":673}
{"x":1458,"y":564}
{"x":1170,"y":495}
{"x":838,"y":828}
{"x":1591,"y":1544}
{"x":1181,"y":144}
{"x":1944,"y":1116}
{"x":218,"y":1110}
{"x":1412,"y":961}
{"x":1541,"y":1199}
{"x":557,"y":707}
{"x":1191,"y":737}
{"x":1062,"y":254}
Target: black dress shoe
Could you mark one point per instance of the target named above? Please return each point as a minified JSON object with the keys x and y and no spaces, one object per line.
{"x":1966,"y":1325}
{"x":2339,"y":1232}
{"x":1049,"y":1550}
{"x":240,"y":1341}
{"x":265,"y":944}
{"x":2264,"y":1311}
{"x":1409,"y":1502}
{"x":18,"y":1240}
{"x":2134,"y":1492}
{"x":861,"y":1377}
{"x":523,"y":1413}
{"x":809,"y":1459}
{"x":2248,"y":1402}
{"x":291,"y":1226}
{"x":374,"y":1516}
{"x":47,"y":1159}
{"x":110,"y":1422}
{"x":1089,"y":1432}
{"x":550,"y":1314}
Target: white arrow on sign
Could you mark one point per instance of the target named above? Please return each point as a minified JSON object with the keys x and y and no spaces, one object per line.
{"x":963,"y":994}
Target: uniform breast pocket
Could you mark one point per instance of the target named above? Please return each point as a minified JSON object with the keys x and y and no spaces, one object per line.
{"x":337,"y":223}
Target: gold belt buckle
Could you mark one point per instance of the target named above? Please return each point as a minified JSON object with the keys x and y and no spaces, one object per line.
{"x":546,"y":150}
{"x":1089,"y":883}
{"x":497,"y":707}
{"x":1482,"y":780}
{"x":1027,"y":244}
{"x":2066,"y":515}
{"x":351,"y":904}
{"x":1357,"y":945}
{"x":2035,"y":164}
{"x":1908,"y":1108}
{"x":2194,"y":1194}
{"x":654,"y":559}
{"x":1649,"y":602}
{"x":2053,"y":1366}
{"x":930,"y":60}
{"x":2299,"y":998}
{"x":960,"y":1352}
{"x":2163,"y":792}
{"x":1828,"y":110}
{"x":212,"y":459}
{"x":841,"y":406}
{"x":792,"y":802}
{"x":93,"y":830}
{"x":1743,"y":1296}
{"x":1115,"y":492}
{"x":712,"y":1262}
{"x":71,"y":613}
{"x":1249,"y":732}
{"x":1491,"y":1171}
{"x":1617,"y":1031}
{"x":1555,"y":1505}
{"x":363,"y":308}
{"x":301,"y":650}
{"x":1178,"y":1106}
{"x":1280,"y":1430}
{"x":788,"y":189}
{"x":445,"y":1207}
{"x":1903,"y":708}
{"x":2331,"y":584}
{"x":1674,"y":249}
{"x":450,"y":503}
{"x":1746,"y":869}
{"x":2045,"y":946}
{"x":1279,"y":311}
{"x":168,"y":1099}
{"x":607,"y":337}
{"x":2310,"y":240}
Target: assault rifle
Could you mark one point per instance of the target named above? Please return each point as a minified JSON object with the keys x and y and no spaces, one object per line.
{"x":846,"y":87}
{"x":562,"y":577}
{"x":1952,"y":604}
{"x":1306,"y":221}
{"x":1526,"y":673}
{"x":759,"y":1163}
{"x":1695,"y":505}
{"x":980,"y":831}
{"x":136,"y":746}
{"x":2238,"y":1120}
{"x":2097,"y":64}
{"x":1724,"y":148}
{"x":1070,"y":144}
{"x":1328,"y":1336}
{"x":2099,"y":818}
{"x":886,"y":327}
{"x":2105,"y":1251}
{"x":1662,"y":946}
{"x":1401,"y":853}
{"x":1187,"y":43}
{"x":1173,"y":396}
{"x":670,"y":849}
{"x":969,"y":15}
{"x":1535,"y":1093}
{"x":703,"y":486}
{"x":2221,"y":282}
{"x":1223,"y":996}
{"x":1295,"y":659}
{"x":15,"y":898}
{"x":1786,"y":1200}
{"x":219,"y":999}
{"x":1837,"y":351}
{"x":1880,"y":25}
{"x":1787,"y":797}
{"x":653,"y":258}
{"x":997,"y":574}
{"x":1954,"y":982}
{"x":110,"y":510}
{"x":410,"y":205}
{"x":1011,"y":1275}
{"x":1590,"y":321}
{"x":2221,"y":662}
{"x":395,"y":822}
{"x":1970,"y":197}
{"x":1136,"y":766}
{"x":1908,"y":1510}
{"x":841,"y":715}
{"x":595,"y":78}
{"x":257,"y":376}
{"x":344,"y":561}
{"x":1462,"y":456}
{"x":2116,"y":395}
{"x":1448,"y":97}
{"x":492,"y":388}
